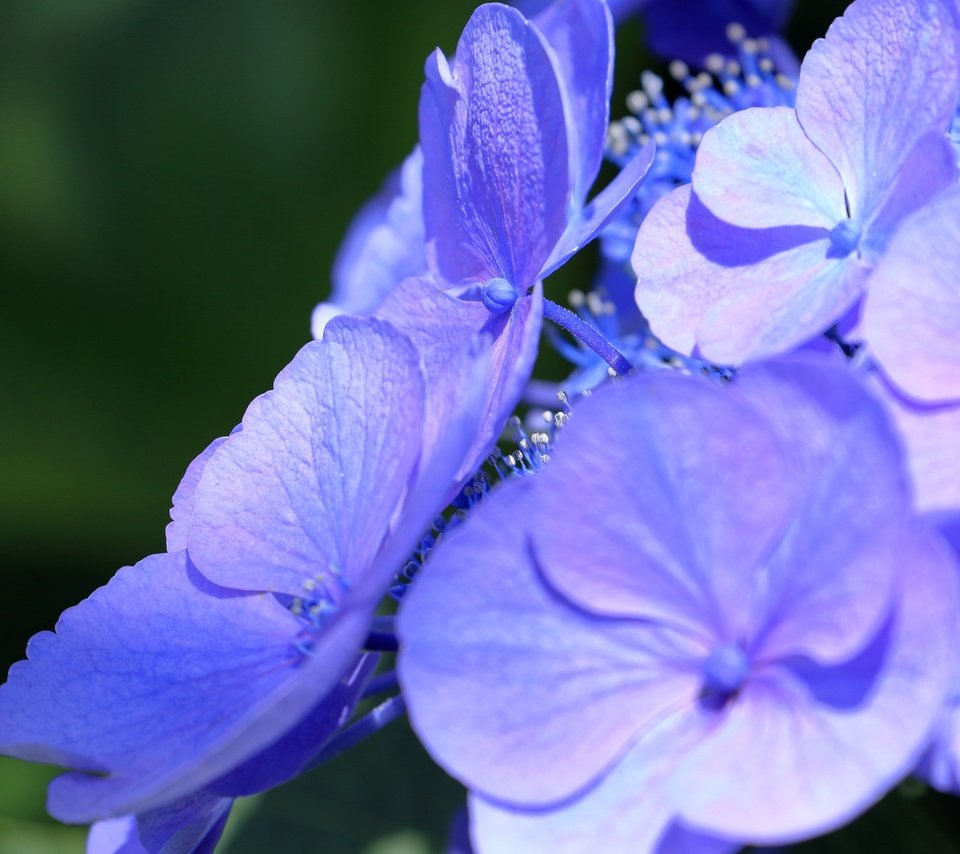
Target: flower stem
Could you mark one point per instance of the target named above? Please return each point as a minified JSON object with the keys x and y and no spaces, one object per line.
{"x":350,"y":736}
{"x":586,"y":334}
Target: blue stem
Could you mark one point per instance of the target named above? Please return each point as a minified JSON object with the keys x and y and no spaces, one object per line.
{"x":585,"y":333}
{"x":349,"y":737}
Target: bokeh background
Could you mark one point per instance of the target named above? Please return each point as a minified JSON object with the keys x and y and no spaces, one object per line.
{"x":175,"y":177}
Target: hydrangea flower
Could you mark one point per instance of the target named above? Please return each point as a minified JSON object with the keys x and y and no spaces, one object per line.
{"x":198,"y":676}
{"x":512,"y":136}
{"x":708,"y":584}
{"x":791,"y":212}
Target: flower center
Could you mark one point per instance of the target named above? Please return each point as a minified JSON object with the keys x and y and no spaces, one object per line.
{"x":724,"y":672}
{"x":844,"y":238}
{"x":499,"y":295}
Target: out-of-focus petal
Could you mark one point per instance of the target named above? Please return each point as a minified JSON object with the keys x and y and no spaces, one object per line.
{"x":827,"y":587}
{"x":310,"y":485}
{"x":115,"y":836}
{"x":669,"y":516}
{"x":757,"y":169}
{"x":165,"y":683}
{"x":385,"y":243}
{"x":496,"y":687}
{"x":929,"y":434}
{"x":836,"y":739}
{"x":581,"y":35}
{"x":192,"y":825}
{"x":693,"y":29}
{"x":629,"y":809}
{"x":911,"y":315}
{"x":877,"y":57}
{"x":493,"y":128}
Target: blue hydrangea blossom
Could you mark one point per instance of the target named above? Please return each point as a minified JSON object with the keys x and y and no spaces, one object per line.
{"x":790,"y":212}
{"x":189,"y":680}
{"x":707,"y":584}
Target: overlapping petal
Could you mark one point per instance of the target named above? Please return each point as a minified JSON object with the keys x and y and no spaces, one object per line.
{"x":496,"y":686}
{"x":757,"y":169}
{"x":160,"y":683}
{"x":310,"y":485}
{"x":493,"y":128}
{"x":854,"y":85}
{"x":912,"y":312}
{"x":835,"y":739}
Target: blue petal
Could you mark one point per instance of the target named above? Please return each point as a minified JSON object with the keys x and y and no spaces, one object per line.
{"x":160,"y":683}
{"x":327,"y":454}
{"x":441,"y":326}
{"x":581,"y":35}
{"x":854,"y":85}
{"x":182,"y":510}
{"x":601,"y":210}
{"x":384,"y":244}
{"x":192,"y":825}
{"x":493,"y":129}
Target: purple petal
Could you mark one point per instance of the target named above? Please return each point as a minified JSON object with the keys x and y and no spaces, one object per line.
{"x":929,"y":434}
{"x":783,"y":302}
{"x":757,"y":169}
{"x":310,"y":485}
{"x":386,"y":242}
{"x":628,"y":811}
{"x":855,"y":82}
{"x":165,"y":683}
{"x":663,"y":510}
{"x":841,"y":736}
{"x":442,"y":326}
{"x":496,"y":669}
{"x":912,"y":311}
{"x":929,"y":169}
{"x":581,"y":35}
{"x":182,"y":510}
{"x":601,"y":210}
{"x":286,"y":758}
{"x":827,"y":587}
{"x":192,"y":825}
{"x":737,"y":293}
{"x":494,"y":135}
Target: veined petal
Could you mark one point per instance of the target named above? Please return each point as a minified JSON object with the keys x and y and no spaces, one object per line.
{"x":688,"y":262}
{"x":757,"y":169}
{"x":182,"y":510}
{"x":522,"y":696}
{"x":911,"y":315}
{"x":854,"y":84}
{"x":160,"y":683}
{"x":311,"y":483}
{"x":581,"y":35}
{"x":841,"y":736}
{"x":493,"y":128}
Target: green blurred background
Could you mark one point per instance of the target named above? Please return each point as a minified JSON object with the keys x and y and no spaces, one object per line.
{"x":175,"y":178}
